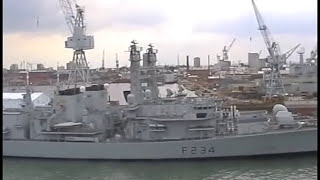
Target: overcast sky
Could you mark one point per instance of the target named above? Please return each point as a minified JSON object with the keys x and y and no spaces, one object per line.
{"x":195,"y":27}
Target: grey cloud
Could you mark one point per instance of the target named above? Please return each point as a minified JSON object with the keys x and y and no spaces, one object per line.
{"x":145,"y":18}
{"x":300,"y":24}
{"x":21,"y":16}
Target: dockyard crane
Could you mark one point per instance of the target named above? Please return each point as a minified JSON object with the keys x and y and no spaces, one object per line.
{"x":275,"y":61}
{"x":79,"y":41}
{"x":289,"y":53}
{"x":225,"y":51}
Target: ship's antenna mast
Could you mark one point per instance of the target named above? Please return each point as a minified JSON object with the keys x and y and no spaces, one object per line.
{"x":79,"y":41}
{"x":27,"y":97}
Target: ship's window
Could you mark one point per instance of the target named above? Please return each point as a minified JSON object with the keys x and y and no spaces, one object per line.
{"x":199,"y":107}
{"x":205,"y":107}
{"x":201,"y":115}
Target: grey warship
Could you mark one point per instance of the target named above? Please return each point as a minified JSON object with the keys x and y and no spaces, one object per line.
{"x":82,"y":123}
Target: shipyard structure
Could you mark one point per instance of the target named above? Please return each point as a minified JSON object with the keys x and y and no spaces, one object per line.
{"x":82,"y":123}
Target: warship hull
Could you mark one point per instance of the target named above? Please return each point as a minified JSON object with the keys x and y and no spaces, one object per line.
{"x":285,"y":141}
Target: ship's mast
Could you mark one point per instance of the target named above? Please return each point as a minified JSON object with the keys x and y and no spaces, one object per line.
{"x":135,"y":82}
{"x":151,"y":59}
{"x":28,"y":108}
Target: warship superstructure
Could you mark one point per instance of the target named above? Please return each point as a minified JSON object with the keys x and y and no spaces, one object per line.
{"x":82,"y":123}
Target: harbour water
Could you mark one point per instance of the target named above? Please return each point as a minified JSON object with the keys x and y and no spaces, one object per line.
{"x":284,"y":167}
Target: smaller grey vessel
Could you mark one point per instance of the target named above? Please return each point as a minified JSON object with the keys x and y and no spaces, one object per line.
{"x":83,"y":124}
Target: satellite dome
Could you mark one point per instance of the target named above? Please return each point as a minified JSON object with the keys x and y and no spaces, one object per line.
{"x":82,"y":89}
{"x":313,"y":61}
{"x":285,"y":118}
{"x":279,"y":107}
{"x":106,"y":86}
{"x":147,"y":93}
{"x":131,"y":99}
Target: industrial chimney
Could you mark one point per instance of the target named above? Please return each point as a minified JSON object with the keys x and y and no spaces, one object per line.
{"x":187,"y":63}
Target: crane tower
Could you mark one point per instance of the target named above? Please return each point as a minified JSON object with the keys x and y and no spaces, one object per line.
{"x":79,"y":41}
{"x":275,"y":61}
{"x":225,"y":52}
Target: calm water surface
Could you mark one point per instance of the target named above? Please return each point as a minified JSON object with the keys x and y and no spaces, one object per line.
{"x":284,"y":167}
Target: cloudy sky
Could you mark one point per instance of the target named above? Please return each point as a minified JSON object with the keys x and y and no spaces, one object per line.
{"x":194,"y":27}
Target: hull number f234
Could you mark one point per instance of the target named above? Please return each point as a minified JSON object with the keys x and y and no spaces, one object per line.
{"x":197,"y":150}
